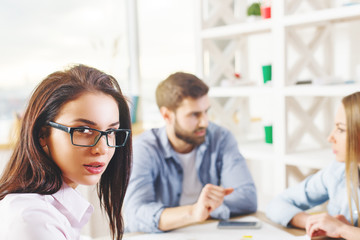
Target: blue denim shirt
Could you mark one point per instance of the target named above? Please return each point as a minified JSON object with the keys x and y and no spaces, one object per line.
{"x":156,"y":179}
{"x":328,"y":184}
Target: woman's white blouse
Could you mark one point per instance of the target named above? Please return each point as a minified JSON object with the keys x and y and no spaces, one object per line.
{"x":59,"y":216}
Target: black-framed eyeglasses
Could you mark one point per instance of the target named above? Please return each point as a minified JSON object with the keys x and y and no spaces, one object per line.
{"x":89,"y":137}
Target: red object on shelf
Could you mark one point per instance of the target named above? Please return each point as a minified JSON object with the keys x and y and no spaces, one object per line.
{"x":266,"y":12}
{"x":237,"y":75}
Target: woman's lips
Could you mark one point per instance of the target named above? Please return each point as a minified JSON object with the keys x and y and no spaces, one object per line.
{"x":95,"y":167}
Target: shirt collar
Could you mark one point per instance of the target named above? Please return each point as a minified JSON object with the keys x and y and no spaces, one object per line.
{"x":76,"y":208}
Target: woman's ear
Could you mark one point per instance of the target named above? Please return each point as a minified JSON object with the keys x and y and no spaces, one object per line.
{"x":43,"y":136}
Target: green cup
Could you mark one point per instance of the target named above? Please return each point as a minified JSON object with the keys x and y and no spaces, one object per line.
{"x":266,"y":69}
{"x":268,"y":134}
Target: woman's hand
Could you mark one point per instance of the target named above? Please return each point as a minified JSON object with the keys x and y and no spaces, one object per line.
{"x":325,"y":225}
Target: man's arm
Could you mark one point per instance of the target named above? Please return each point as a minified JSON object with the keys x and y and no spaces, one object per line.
{"x":210,"y":198}
{"x":142,"y":208}
{"x":235,"y":174}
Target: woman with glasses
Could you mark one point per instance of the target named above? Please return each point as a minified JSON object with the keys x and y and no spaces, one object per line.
{"x":75,"y":130}
{"x":331,"y":184}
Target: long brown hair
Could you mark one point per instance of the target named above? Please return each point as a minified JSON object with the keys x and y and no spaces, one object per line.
{"x":30,"y":170}
{"x":351,"y":105}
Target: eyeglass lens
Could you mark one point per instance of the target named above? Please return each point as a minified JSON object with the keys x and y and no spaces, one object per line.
{"x":88,"y":137}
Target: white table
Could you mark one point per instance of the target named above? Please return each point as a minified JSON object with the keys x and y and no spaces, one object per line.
{"x":209,"y":231}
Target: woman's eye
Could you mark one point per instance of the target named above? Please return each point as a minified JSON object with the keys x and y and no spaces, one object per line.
{"x":340,"y":130}
{"x":84,"y":131}
{"x":111,"y":132}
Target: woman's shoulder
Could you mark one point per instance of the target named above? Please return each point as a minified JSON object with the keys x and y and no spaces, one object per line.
{"x":333,"y":174}
{"x":28,"y":213}
{"x":21,"y":200}
{"x":30,"y":207}
{"x":335,"y":168}
{"x":18,"y":205}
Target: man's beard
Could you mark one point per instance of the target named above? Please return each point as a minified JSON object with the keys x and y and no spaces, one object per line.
{"x":188,"y":137}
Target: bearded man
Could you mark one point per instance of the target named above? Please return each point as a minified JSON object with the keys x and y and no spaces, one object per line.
{"x":188,"y":171}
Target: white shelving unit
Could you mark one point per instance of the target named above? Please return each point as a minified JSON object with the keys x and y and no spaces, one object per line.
{"x":324,"y":16}
{"x":236,"y":29}
{"x":257,"y":150}
{"x":324,"y":91}
{"x":239,"y":91}
{"x":302,"y":115}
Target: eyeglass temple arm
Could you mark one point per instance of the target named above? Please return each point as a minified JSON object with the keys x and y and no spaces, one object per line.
{"x":61,"y":127}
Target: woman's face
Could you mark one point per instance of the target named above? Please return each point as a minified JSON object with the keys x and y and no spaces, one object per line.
{"x":83,"y":165}
{"x":338,"y":135}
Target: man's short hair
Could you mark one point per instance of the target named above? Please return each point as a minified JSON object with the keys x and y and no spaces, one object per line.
{"x":178,"y":86}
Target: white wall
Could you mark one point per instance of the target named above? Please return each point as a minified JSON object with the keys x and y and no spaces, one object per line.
{"x":41,"y":37}
{"x":167,"y":45}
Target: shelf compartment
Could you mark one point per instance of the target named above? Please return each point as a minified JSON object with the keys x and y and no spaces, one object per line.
{"x":240,"y":91}
{"x":257,"y":150}
{"x":316,"y":159}
{"x":338,"y":90}
{"x":345,"y":13}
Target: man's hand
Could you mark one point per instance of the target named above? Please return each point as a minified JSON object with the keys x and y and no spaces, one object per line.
{"x":211,"y":197}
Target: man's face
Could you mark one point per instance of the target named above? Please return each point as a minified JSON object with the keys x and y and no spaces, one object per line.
{"x":191,"y":120}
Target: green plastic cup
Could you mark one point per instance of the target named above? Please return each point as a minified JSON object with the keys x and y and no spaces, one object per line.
{"x":266,"y":69}
{"x":268,"y":134}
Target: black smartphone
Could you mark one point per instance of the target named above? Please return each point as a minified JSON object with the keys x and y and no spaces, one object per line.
{"x":232,"y":224}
